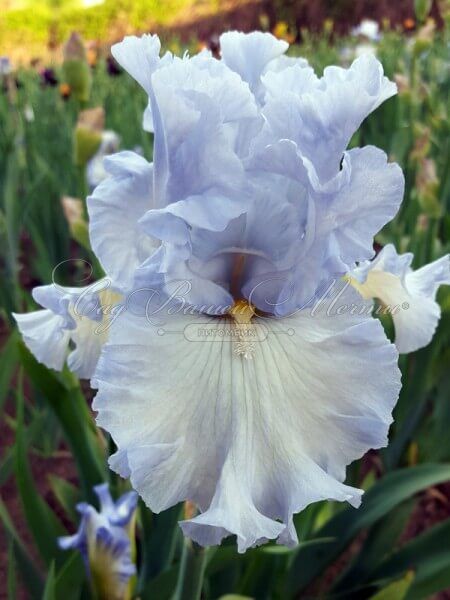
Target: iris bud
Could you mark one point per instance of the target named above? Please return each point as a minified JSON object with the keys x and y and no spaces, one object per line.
{"x":76,"y":68}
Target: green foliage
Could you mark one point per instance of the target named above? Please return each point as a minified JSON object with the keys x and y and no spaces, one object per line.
{"x":77,"y":74}
{"x":43,"y":22}
{"x":50,"y":413}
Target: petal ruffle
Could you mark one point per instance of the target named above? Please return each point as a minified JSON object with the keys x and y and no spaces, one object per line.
{"x":250,"y":54}
{"x":139,"y":56}
{"x":341,"y":219}
{"x":321,"y":115}
{"x":235,"y":252}
{"x":196,"y":152}
{"x":250,"y":441}
{"x":115,"y":208}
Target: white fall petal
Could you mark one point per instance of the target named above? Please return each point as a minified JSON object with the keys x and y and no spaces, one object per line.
{"x":409,"y":295}
{"x":250,"y":440}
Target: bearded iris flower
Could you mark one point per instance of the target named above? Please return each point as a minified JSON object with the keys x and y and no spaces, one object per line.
{"x":221,"y":384}
{"x":106,"y":541}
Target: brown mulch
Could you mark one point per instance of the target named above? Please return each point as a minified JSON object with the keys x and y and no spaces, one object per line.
{"x":61,"y":465}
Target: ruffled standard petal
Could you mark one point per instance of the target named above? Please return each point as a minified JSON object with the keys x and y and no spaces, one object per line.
{"x":203,"y":183}
{"x":340,"y":218}
{"x":321,"y":115}
{"x":175,"y":222}
{"x":360,"y":209}
{"x":409,"y":296}
{"x":115,"y":208}
{"x":206,"y":75}
{"x":221,"y":247}
{"x":298,"y":78}
{"x":254,"y":440}
{"x":139,"y":56}
{"x":195,"y":129}
{"x":249,"y":55}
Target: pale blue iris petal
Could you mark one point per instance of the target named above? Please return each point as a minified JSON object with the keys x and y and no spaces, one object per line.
{"x":174,"y":223}
{"x":71,"y":315}
{"x":322,"y":118}
{"x":258,"y":461}
{"x":283,"y":62}
{"x":429,"y":278}
{"x":114,"y":208}
{"x":220,"y":242}
{"x":387,"y":260}
{"x":298,"y":78}
{"x":45,"y":336}
{"x":57,"y":299}
{"x":118,"y":461}
{"x":88,"y":340}
{"x":206,"y":75}
{"x":250,"y":54}
{"x":200,"y":156}
{"x":139,"y":56}
{"x":338,"y":219}
{"x":360,"y":209}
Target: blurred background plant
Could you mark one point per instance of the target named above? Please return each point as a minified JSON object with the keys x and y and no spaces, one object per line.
{"x":62,"y":107}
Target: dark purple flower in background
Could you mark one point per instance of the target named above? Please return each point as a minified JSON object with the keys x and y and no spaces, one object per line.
{"x":48,"y":78}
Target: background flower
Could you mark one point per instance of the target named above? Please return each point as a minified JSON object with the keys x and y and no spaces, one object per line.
{"x":106,"y":541}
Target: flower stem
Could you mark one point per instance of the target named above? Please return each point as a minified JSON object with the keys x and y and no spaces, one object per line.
{"x":190,"y":575}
